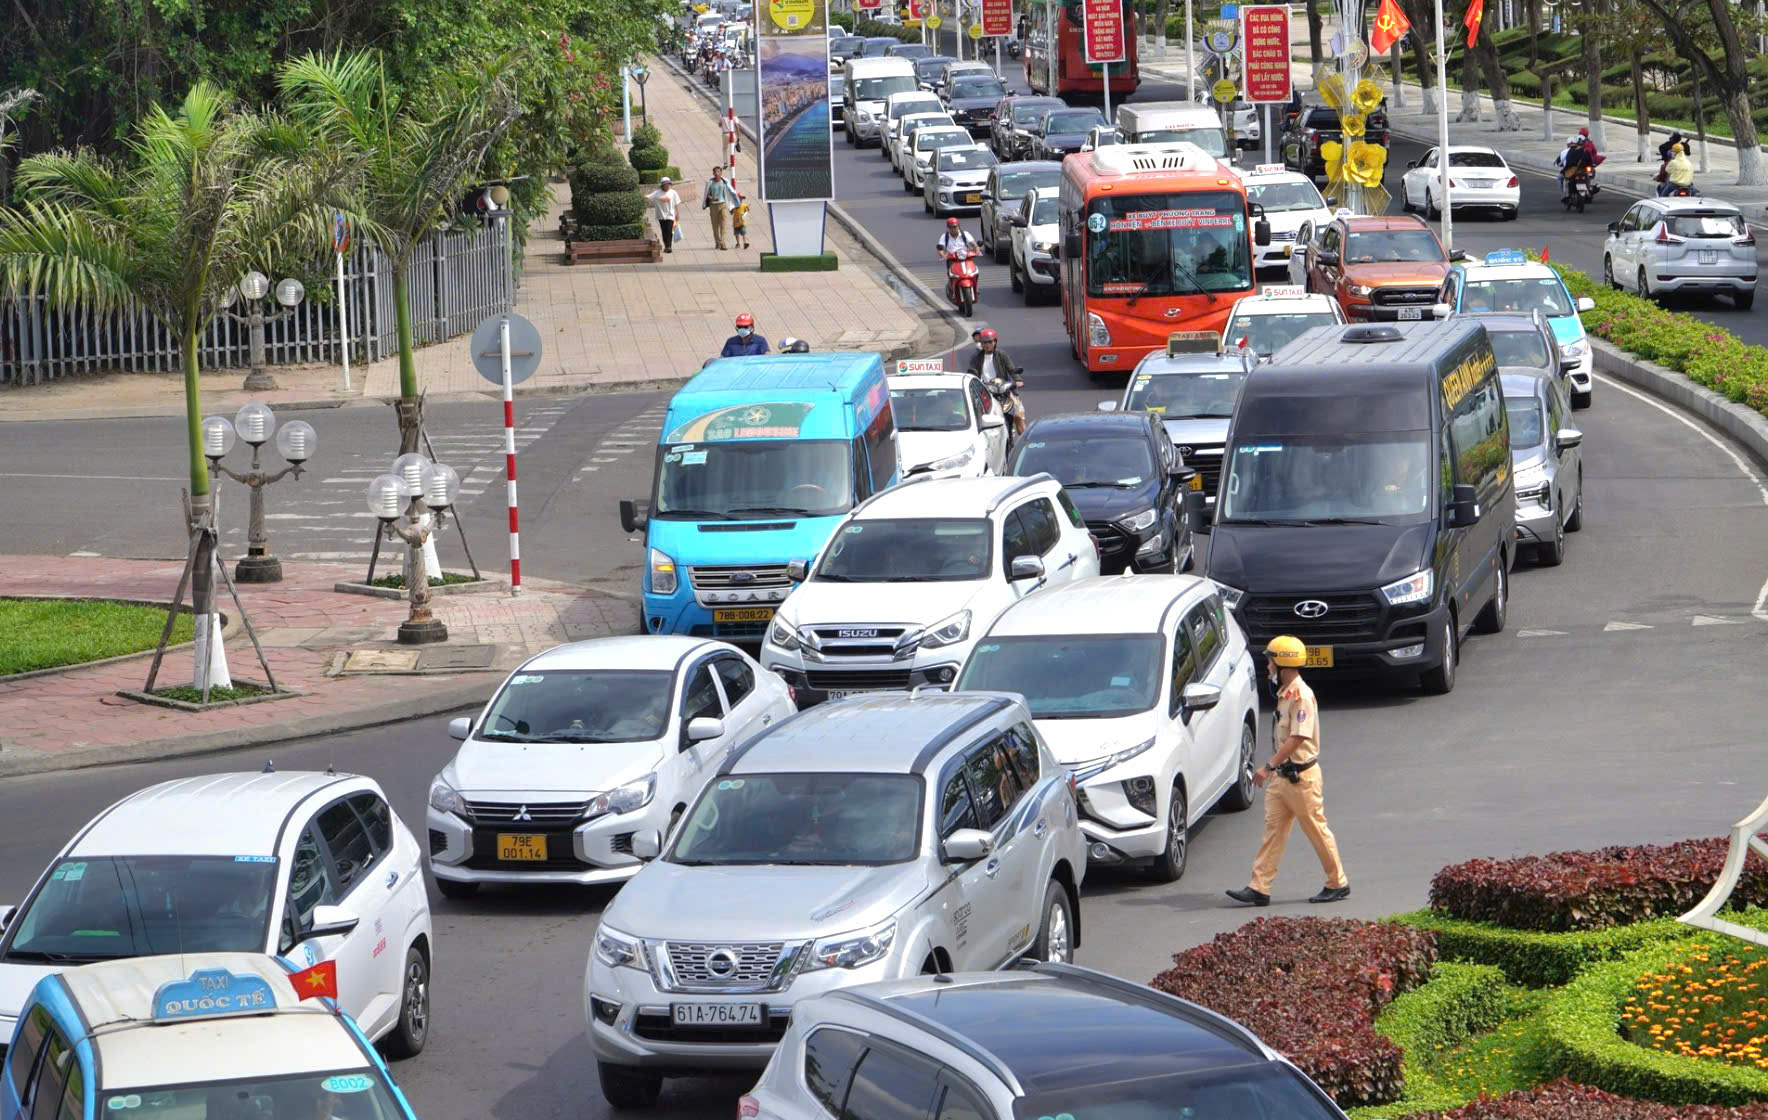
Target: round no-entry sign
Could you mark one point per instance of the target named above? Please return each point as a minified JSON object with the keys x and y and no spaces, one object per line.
{"x":488,"y":349}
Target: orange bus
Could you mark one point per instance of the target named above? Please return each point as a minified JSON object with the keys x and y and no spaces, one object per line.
{"x":1155,"y":238}
{"x":1055,"y":56}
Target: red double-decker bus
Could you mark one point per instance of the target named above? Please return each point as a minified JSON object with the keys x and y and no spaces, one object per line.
{"x":1154,"y":238}
{"x":1055,"y":56}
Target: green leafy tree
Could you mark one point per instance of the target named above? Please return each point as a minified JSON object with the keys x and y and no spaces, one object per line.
{"x":1734,"y":30}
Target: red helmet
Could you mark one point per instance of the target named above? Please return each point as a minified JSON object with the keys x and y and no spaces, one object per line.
{"x":986,"y":334}
{"x":745,"y":320}
{"x":951,"y":223}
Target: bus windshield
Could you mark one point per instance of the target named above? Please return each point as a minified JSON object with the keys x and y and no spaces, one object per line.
{"x":1178,"y":243}
{"x":753,"y":479}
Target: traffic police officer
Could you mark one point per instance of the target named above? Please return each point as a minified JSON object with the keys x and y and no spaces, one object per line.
{"x":1294,"y":772}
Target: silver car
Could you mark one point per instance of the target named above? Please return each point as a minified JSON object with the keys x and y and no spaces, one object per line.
{"x":1667,"y":245}
{"x":942,"y":835}
{"x":1545,"y":460}
{"x":957,"y":181}
{"x":1000,"y":201}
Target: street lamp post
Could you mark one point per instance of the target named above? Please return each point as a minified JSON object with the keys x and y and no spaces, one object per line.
{"x":295,"y":442}
{"x":412,"y":503}
{"x":252,"y":288}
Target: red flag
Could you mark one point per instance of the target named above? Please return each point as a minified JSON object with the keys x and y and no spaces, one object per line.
{"x":1391,"y":25}
{"x":1476,"y":12}
{"x":1543,"y":254}
{"x":319,"y":980}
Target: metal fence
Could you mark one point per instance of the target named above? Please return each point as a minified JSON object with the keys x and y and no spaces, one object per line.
{"x":457,"y":278}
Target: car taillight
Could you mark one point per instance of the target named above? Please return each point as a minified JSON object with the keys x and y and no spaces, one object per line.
{"x":1748,"y":238}
{"x":747,"y":1106}
{"x":1665,"y":237}
{"x":1454,"y":183}
{"x":1512,"y":182}
{"x":1313,"y":138}
{"x":1098,"y":551}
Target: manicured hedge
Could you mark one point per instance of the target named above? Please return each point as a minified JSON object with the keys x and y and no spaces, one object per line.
{"x":1311,"y":988}
{"x":1459,"y":1001}
{"x":1534,"y":958}
{"x":1588,"y":890}
{"x":1566,"y":1100}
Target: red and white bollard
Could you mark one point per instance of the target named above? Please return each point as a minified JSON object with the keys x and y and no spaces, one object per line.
{"x":509,"y":455}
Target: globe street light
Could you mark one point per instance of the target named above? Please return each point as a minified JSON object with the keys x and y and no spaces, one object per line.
{"x":252,"y":288}
{"x":421,"y":493}
{"x":295,"y":442}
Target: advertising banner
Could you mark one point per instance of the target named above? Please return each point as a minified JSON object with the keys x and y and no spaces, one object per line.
{"x":997,"y":17}
{"x":797,"y":154}
{"x":1102,"y":30}
{"x":1265,"y":35}
{"x":870,"y":5}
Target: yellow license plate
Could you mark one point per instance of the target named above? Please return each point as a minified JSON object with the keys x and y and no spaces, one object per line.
{"x":1319,"y":657}
{"x":743,"y":614}
{"x":520,"y":847}
{"x":1196,"y":482}
{"x":1288,"y":249}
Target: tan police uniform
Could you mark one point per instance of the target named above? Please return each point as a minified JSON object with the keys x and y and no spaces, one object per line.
{"x":1288,"y":802}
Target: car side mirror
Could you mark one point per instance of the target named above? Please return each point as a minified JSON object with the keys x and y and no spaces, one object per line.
{"x":1411,"y":163}
{"x":1457,"y":254}
{"x":632,"y":516}
{"x":1107,"y":406}
{"x":1463,"y":506}
{"x":1025,"y":567}
{"x":1585,"y":303}
{"x":1440,"y":311}
{"x":647,"y":844}
{"x":797,"y":570}
{"x":1017,"y":221}
{"x":1261,"y":232}
{"x":460,"y":727}
{"x":6,"y":913}
{"x":1197,"y":511}
{"x":1614,"y":227}
{"x":1325,"y":256}
{"x":702,"y":728}
{"x":1199,"y":697}
{"x":966,"y":845}
{"x":1568,"y":438}
{"x":994,"y":418}
{"x":328,"y":921}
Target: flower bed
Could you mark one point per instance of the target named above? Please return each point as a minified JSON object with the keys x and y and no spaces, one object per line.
{"x":1534,"y":958}
{"x":1706,"y":1003}
{"x":1566,"y":1100}
{"x":1311,"y":988}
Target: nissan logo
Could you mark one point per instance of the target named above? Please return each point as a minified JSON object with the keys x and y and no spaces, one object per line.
{"x":1311,"y":608}
{"x":721,"y":963}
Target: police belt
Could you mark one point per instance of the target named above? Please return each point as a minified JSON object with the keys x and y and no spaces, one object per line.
{"x":1294,"y":770}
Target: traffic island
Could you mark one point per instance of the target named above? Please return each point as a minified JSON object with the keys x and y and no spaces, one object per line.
{"x":826,"y":261}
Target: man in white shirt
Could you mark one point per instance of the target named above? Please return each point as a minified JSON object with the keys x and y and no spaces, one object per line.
{"x":665,"y":200}
{"x":955,"y":238}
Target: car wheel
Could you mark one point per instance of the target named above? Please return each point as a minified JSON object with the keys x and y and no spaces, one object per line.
{"x":1405,"y":198}
{"x":407,"y":1038}
{"x":629,"y":1088}
{"x":1490,"y":619}
{"x":1582,"y":400}
{"x":1003,"y":254}
{"x":1014,"y":280}
{"x":1169,"y":865}
{"x":1608,"y":272}
{"x":1644,"y":284}
{"x":450,"y":888}
{"x":1551,"y":554}
{"x":1441,"y":680}
{"x":1240,"y":795}
{"x":1055,"y":937}
{"x":1743,"y":301}
{"x":1576,"y":520}
{"x":1510,"y":215}
{"x":928,"y":206}
{"x":1431,"y":209}
{"x":908,"y":185}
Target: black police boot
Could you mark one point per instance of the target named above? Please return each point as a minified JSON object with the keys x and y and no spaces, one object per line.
{"x":1252,"y":897}
{"x":1331,"y":894}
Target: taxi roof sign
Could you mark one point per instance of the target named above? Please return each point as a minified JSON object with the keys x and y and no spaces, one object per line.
{"x":920,"y":365}
{"x":1282,"y":291}
{"x":1506,"y":256}
{"x":210,"y":993}
{"x":1269,"y":169}
{"x":1193,"y":342}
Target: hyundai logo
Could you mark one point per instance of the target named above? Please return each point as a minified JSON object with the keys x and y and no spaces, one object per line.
{"x":1311,"y":608}
{"x":721,"y":963}
{"x":1174,"y":312}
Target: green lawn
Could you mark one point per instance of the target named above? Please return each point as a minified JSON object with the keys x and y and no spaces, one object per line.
{"x":48,"y":633}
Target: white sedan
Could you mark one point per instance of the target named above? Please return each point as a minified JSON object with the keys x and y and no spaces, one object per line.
{"x":1478,"y":179}
{"x":902,"y":130}
{"x":947,"y":425}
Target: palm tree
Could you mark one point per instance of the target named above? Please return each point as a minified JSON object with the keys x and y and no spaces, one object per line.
{"x":202,"y":195}
{"x":419,"y":155}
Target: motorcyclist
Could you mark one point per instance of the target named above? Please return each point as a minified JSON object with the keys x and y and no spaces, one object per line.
{"x":1678,"y":172}
{"x":1575,"y":160}
{"x":954,"y":238}
{"x":745,"y":342}
{"x":997,"y":371}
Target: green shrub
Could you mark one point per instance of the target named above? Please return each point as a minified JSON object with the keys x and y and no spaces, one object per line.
{"x":630,"y":232}
{"x":843,"y":20}
{"x":1534,"y":958}
{"x":647,"y":134}
{"x":648,"y":157}
{"x":1457,"y":1002}
{"x":612,"y":208}
{"x":651,"y":177}
{"x":602,"y":177}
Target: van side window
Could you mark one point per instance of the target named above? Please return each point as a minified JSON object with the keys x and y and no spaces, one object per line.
{"x":1206,"y":640}
{"x":1184,"y":660}
{"x":30,"y":1041}
{"x":1481,"y":437}
{"x":310,"y":885}
{"x":58,"y":1072}
{"x":347,"y":838}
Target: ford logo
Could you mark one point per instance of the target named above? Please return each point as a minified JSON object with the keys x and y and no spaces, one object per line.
{"x":1311,"y":608}
{"x":742,"y":577}
{"x":721,"y":963}
{"x":872,"y":633}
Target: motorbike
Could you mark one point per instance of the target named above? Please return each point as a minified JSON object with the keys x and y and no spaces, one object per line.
{"x":961,"y":283}
{"x":1013,"y":48}
{"x":1690,"y":191}
{"x":1579,"y":189}
{"x":1005,"y":390}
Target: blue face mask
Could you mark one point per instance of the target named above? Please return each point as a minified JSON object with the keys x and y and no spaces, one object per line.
{"x":745,"y":332}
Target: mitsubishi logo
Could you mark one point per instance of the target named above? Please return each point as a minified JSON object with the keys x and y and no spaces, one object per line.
{"x":522,"y":813}
{"x":1311,"y":608}
{"x":722,"y":963}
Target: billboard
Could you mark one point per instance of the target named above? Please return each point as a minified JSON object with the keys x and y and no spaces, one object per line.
{"x":796,"y":150}
{"x":1265,"y":39}
{"x":1102,"y":31}
{"x":997,"y":17}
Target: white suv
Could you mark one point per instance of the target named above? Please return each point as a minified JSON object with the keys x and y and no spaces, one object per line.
{"x":914,"y":574}
{"x":947,"y":425}
{"x":1144,"y":686}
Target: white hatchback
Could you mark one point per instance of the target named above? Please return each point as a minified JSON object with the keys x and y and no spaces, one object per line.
{"x":585,"y":745}
{"x":917,"y":157}
{"x":311,"y":867}
{"x":947,"y":426}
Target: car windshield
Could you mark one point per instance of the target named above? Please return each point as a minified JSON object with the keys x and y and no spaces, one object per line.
{"x":911,"y":51}
{"x":877,"y":89}
{"x":1267,"y":334}
{"x":1526,"y":425}
{"x":1371,"y":246}
{"x":356,"y":1094}
{"x":930,"y":410}
{"x":1097,"y":459}
{"x":930,"y":69}
{"x":1475,"y":159}
{"x":1210,"y":139}
{"x":829,"y":819}
{"x":1308,"y":478}
{"x":1186,"y":396}
{"x":1075,"y":120}
{"x":753,"y":479}
{"x":579,"y":706}
{"x":1071,"y":676}
{"x":1277,"y":198}
{"x":1028,"y":112}
{"x":1536,"y":293}
{"x":908,"y":550}
{"x":1045,"y":212}
{"x":926,"y":139}
{"x":979,"y":87}
{"x":1014,"y":184}
{"x":909,"y":106}
{"x":1694,"y":224}
{"x":1520,"y":348}
{"x":846,"y":44}
{"x":966,"y":159}
{"x":1322,"y":118}
{"x":1179,"y":243}
{"x":105,"y":907}
{"x":1245,"y":1091}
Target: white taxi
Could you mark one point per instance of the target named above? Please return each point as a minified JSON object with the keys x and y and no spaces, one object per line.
{"x":1290,"y":199}
{"x":313,"y":867}
{"x":1270,"y":320}
{"x":947,"y":424}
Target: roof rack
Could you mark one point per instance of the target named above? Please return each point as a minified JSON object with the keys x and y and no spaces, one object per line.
{"x":938,"y":1030}
{"x":1025,"y":483}
{"x":888,"y":489}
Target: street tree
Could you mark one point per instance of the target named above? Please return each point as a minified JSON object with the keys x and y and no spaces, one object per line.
{"x":201,"y":195}
{"x":1729,"y":75}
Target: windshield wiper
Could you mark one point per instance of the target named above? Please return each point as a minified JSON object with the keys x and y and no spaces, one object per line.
{"x":1262,"y":521}
{"x":571,"y":737}
{"x":1192,"y":276}
{"x":799,"y":511}
{"x":504,"y":737}
{"x":1098,"y":485}
{"x":709,"y":514}
{"x":1345,"y":521}
{"x":61,"y":958}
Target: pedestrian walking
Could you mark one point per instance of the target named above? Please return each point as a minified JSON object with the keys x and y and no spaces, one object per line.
{"x":740,"y":221}
{"x":665,"y":200}
{"x":718,"y":198}
{"x":1293,"y":795}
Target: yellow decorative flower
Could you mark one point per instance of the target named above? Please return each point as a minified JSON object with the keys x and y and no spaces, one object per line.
{"x":1351,"y":124}
{"x":1365,"y":164}
{"x":1333,"y":153}
{"x":1331,"y":89}
{"x":1366,"y":96}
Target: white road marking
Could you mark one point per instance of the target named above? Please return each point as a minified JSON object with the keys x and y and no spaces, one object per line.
{"x":1540,"y":633}
{"x":85,"y":554}
{"x":99,"y":477}
{"x":1709,"y":620}
{"x":1613,"y":626}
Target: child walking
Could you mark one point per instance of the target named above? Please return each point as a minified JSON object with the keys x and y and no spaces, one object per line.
{"x":740,"y":221}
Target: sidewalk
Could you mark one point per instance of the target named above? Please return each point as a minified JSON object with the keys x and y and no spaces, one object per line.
{"x":604,"y":327}
{"x":336,"y":649}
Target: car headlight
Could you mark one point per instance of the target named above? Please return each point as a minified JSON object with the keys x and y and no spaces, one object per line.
{"x":1097,"y":335}
{"x":1044,"y":247}
{"x":1361,"y":291}
{"x":617,"y":950}
{"x":662,"y":573}
{"x":624,"y":799}
{"x":853,"y":950}
{"x":864,"y":117}
{"x":1414,"y":588}
{"x":947,"y":181}
{"x":944,"y":633}
{"x":782,"y":635}
{"x":1231,"y":596}
{"x":1574,"y":351}
{"x":444,"y":798}
{"x":951,"y":462}
{"x":1085,"y":770}
{"x":1136,"y":522}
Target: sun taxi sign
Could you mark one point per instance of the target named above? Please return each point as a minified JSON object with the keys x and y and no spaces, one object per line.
{"x":1269,"y":169}
{"x":210,"y":993}
{"x":1506,"y":257}
{"x":920,"y":365}
{"x":1282,"y":291}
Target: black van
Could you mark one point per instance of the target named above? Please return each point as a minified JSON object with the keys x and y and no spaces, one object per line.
{"x":1366,"y":504}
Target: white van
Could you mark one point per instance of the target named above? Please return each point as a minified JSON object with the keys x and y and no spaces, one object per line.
{"x":867,"y":83}
{"x":1165,"y":122}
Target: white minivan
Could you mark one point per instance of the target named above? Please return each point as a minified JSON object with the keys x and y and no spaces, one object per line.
{"x":1166,"y":122}
{"x":866,"y":84}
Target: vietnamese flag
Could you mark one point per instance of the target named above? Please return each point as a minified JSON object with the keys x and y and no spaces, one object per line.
{"x":1391,"y":25}
{"x":319,"y":980}
{"x":1476,"y":12}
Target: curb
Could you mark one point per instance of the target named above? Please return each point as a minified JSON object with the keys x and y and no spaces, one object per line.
{"x":1743,"y":426}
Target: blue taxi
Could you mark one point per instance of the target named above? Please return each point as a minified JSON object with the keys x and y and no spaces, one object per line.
{"x":1507,"y":282}
{"x":218,"y":1035}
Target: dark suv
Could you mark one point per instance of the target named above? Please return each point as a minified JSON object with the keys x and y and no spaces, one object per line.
{"x":1126,"y":478}
{"x":1011,"y":132}
{"x":1307,"y":132}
